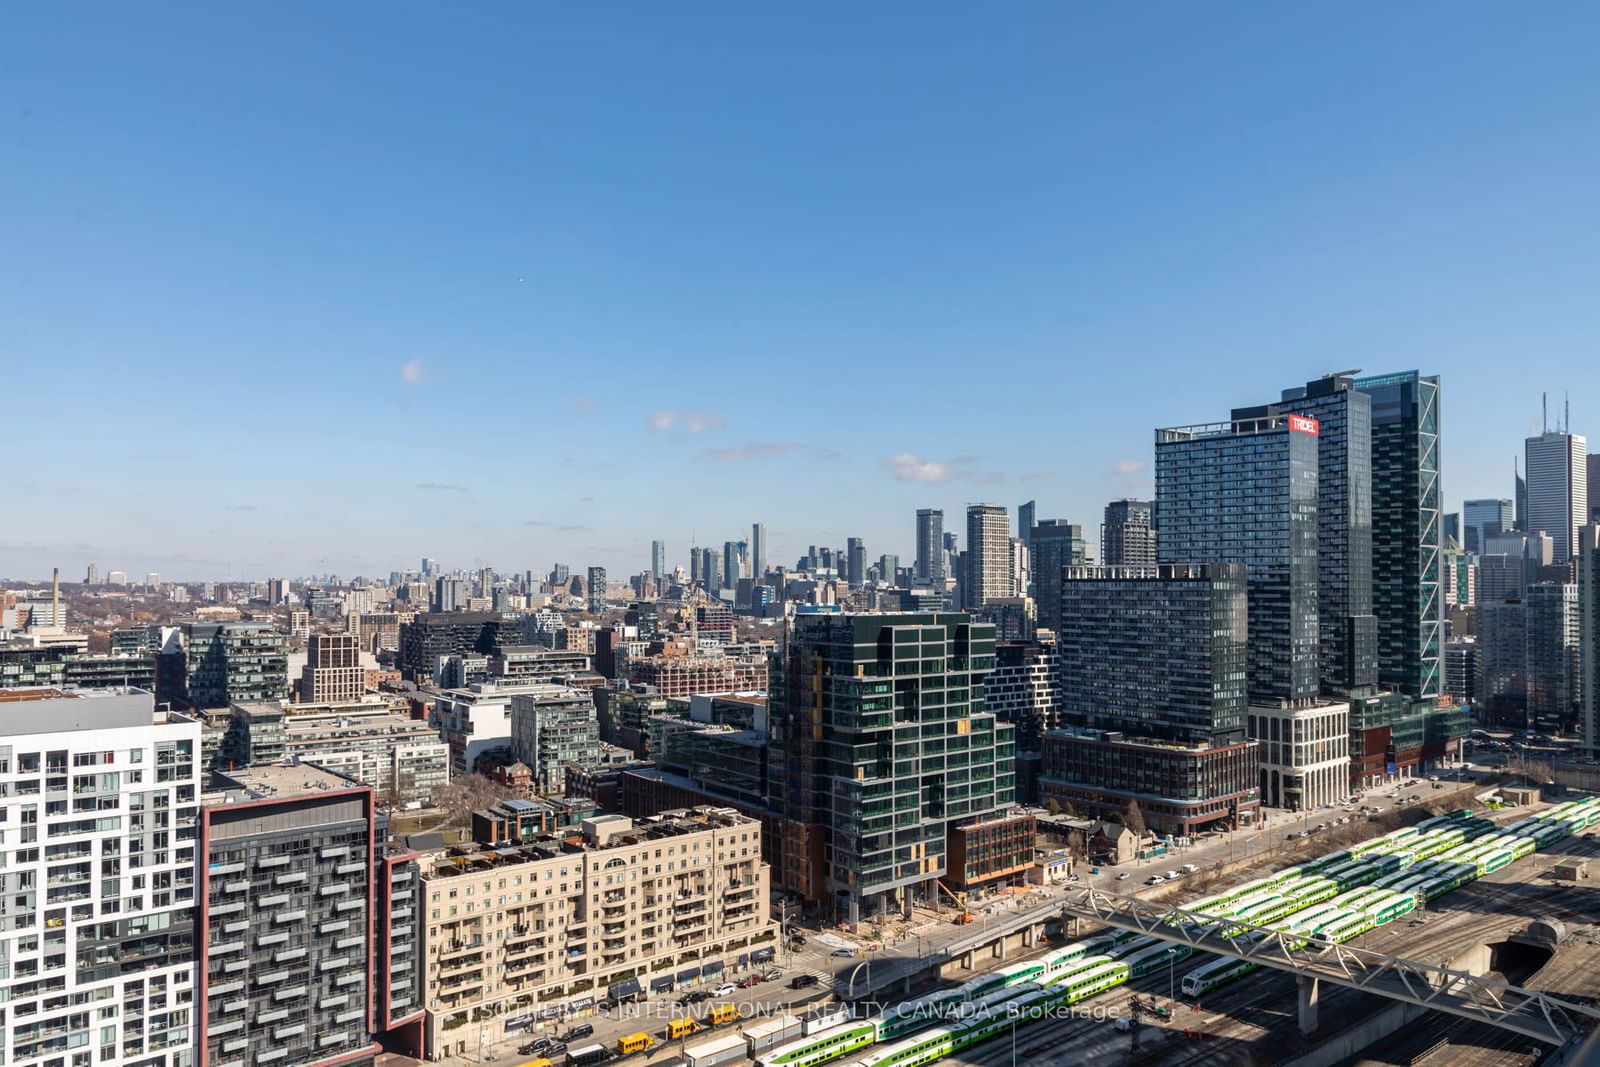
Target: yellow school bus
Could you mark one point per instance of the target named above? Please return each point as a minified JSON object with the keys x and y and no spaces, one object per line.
{"x":627,"y":1046}
{"x":682,"y":1028}
{"x":723,"y":1013}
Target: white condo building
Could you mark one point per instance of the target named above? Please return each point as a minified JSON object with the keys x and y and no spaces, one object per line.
{"x":1558,"y":488}
{"x":98,"y":803}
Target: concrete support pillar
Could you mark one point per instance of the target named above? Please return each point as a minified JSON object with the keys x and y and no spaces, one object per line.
{"x":1000,"y":949}
{"x":1027,"y":938}
{"x":905,"y":986}
{"x":1310,"y":992}
{"x":967,"y":961}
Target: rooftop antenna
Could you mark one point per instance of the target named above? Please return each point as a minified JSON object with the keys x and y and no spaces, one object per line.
{"x":1545,"y":407}
{"x":1566,"y":412}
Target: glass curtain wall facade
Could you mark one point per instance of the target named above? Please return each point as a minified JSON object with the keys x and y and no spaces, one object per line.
{"x":880,"y":744}
{"x":1056,"y":545}
{"x":1246,"y":492}
{"x":1157,"y":652}
{"x":1406,"y":530}
{"x":1348,"y":630}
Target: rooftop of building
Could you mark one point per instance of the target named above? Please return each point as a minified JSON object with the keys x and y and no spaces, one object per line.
{"x":53,"y":709}
{"x":1118,"y":737}
{"x":541,"y":650}
{"x":288,"y":779}
{"x":596,"y":834}
{"x":1231,"y":428}
{"x":1011,"y":815}
{"x":259,"y":711}
{"x":492,"y":688}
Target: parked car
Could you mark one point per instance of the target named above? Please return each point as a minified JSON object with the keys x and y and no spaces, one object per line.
{"x":536,"y":1047}
{"x":556,"y":1048}
{"x":1154,"y":879}
{"x":694,"y":997}
{"x":797,"y":940}
{"x":750,"y":981}
{"x":772,"y":975}
{"x":724,"y":990}
{"x":802,"y":981}
{"x":577,"y":1033}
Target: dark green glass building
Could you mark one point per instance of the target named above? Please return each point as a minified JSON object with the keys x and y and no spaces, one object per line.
{"x":1406,"y":530}
{"x":880,"y":748}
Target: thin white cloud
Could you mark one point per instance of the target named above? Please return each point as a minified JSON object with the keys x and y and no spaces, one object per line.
{"x":412,"y":372}
{"x":910,"y":467}
{"x":1125,"y":468}
{"x":687,"y":421}
{"x":441,"y":487}
{"x":748,"y":451}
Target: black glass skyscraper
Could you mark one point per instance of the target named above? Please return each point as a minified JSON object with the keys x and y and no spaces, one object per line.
{"x":1406,"y":499}
{"x":1056,"y":544}
{"x":930,"y":548}
{"x":1157,"y":651}
{"x":1245,"y":491}
{"x":1347,"y":628}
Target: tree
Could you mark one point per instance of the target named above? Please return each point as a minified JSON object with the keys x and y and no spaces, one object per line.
{"x":1133,"y":819}
{"x":467,"y":793}
{"x":1053,"y":806}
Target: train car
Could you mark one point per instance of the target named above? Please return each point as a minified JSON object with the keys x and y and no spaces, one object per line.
{"x":1027,"y":971}
{"x":1092,"y":946}
{"x":909,"y":1017}
{"x":1356,"y":899}
{"x":1308,"y":919}
{"x":1321,"y":864}
{"x":1156,"y":957}
{"x":1362,"y":848}
{"x":1129,"y":948}
{"x":1203,"y":979}
{"x":1344,"y":929}
{"x":1269,"y":910}
{"x":826,"y":1045}
{"x":1494,"y":861}
{"x":1397,"y":905}
{"x":1545,"y":836}
{"x":1314,"y":889}
{"x":1094,"y":980}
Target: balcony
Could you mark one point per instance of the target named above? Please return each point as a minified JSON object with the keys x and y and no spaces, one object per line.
{"x":461,"y":966}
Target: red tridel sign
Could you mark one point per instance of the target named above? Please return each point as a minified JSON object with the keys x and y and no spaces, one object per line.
{"x":1302,"y":424}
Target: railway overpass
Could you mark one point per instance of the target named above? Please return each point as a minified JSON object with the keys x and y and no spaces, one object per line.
{"x":1541,"y":1016}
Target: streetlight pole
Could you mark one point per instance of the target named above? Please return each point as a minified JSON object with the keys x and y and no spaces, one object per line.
{"x":1172,"y":962}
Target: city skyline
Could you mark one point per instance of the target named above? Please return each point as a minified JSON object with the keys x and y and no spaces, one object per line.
{"x":602,"y":264}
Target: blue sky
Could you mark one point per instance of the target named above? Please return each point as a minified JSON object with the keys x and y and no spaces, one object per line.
{"x":305,"y":288}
